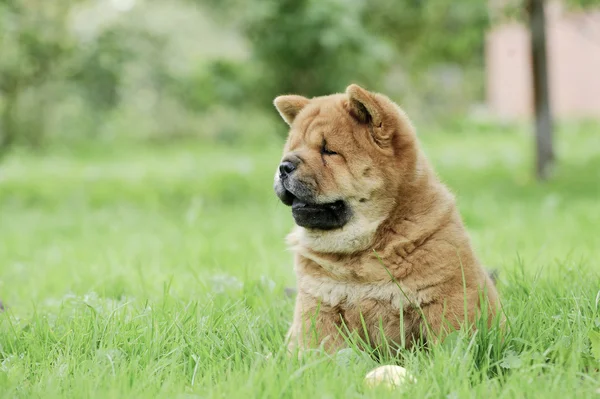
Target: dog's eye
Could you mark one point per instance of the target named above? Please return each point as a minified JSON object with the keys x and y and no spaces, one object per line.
{"x":326,"y":151}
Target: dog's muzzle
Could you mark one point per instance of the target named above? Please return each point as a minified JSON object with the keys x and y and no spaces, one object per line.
{"x":308,"y":212}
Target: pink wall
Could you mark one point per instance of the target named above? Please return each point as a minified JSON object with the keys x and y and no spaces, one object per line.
{"x":574,"y":66}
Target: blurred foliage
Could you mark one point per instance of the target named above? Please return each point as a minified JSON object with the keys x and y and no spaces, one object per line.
{"x":315,"y":47}
{"x":430,"y":32}
{"x":76,"y":69}
{"x":44,"y":58}
{"x":222,"y":82}
{"x":100,"y":70}
{"x":34,"y":47}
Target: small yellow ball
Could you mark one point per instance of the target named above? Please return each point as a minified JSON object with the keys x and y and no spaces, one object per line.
{"x":388,"y":376}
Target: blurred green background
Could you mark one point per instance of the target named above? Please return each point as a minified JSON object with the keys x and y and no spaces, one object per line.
{"x":89,"y":71}
{"x":142,"y":247}
{"x":125,"y":124}
{"x":79,"y":71}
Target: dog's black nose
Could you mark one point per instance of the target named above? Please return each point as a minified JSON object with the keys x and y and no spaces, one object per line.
{"x":286,"y":168}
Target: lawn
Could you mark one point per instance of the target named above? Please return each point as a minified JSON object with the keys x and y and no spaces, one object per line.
{"x":159,"y":271}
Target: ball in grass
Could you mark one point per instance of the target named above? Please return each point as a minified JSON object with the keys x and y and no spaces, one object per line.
{"x":388,"y":376}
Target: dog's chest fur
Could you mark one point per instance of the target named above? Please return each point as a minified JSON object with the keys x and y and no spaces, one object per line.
{"x":348,"y":283}
{"x":345,"y":294}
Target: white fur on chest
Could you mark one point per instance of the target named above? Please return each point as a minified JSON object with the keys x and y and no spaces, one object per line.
{"x":337,"y":293}
{"x":355,"y":236}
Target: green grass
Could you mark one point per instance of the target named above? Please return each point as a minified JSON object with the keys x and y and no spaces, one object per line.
{"x":159,"y":272}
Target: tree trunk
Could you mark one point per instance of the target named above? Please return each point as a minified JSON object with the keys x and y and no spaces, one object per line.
{"x":541,"y":95}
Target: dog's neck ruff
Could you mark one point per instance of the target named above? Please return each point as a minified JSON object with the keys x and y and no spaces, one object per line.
{"x":356,"y":236}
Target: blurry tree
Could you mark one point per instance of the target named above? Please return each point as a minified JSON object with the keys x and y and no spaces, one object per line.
{"x":430,"y":32}
{"x":319,"y":46}
{"x":34,"y":46}
{"x":217,"y":82}
{"x":43,"y":57}
{"x":541,"y":90}
{"x":545,"y":156}
{"x":312,"y":47}
{"x":99,"y":69}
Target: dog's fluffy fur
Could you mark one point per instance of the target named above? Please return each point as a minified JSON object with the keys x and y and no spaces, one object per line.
{"x":400,"y":261}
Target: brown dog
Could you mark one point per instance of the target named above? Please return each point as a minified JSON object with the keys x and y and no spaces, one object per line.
{"x":380,"y":248}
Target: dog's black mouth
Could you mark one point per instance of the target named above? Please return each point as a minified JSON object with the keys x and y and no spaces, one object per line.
{"x":298,"y":204}
{"x":309,"y":213}
{"x":328,"y":216}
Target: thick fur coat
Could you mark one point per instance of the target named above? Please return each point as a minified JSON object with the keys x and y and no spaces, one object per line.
{"x":380,"y":248}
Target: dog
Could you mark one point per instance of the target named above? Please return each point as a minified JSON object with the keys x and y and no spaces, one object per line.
{"x":380,"y":249}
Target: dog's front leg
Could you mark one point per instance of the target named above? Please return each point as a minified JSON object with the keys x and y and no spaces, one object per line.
{"x":315,"y":325}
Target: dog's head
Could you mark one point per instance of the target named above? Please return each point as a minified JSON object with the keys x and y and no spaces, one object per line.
{"x":345,"y":162}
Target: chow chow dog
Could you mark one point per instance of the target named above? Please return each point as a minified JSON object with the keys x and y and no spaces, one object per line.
{"x":380,"y":248}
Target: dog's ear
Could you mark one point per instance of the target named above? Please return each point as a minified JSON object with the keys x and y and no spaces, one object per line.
{"x":365,"y":108}
{"x":289,"y":106}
